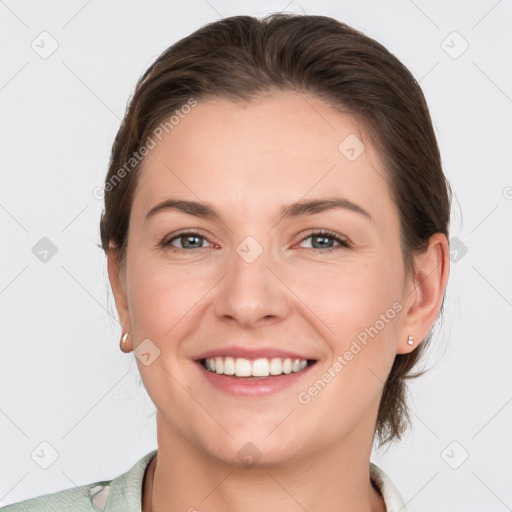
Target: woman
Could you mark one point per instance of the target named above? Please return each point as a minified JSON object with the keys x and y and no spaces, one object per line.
{"x":276,"y":227}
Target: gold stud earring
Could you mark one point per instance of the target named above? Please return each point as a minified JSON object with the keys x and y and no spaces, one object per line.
{"x":410,"y":340}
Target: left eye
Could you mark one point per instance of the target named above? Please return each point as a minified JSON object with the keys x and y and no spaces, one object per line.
{"x":322,"y":239}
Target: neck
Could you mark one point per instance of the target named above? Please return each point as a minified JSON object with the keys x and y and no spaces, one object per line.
{"x":183,"y":478}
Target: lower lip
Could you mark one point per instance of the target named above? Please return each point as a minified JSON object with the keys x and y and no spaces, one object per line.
{"x":254,"y":388}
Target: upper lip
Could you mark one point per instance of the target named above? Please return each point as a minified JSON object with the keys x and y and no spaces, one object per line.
{"x":250,"y":353}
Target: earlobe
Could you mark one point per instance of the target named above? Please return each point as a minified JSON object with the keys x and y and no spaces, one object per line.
{"x":426,"y":290}
{"x":118,"y":289}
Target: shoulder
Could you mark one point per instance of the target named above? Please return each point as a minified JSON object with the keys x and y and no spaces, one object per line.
{"x":104,"y":496}
{"x":76,"y":499}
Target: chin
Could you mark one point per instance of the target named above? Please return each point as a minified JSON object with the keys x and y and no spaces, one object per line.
{"x":254,"y":451}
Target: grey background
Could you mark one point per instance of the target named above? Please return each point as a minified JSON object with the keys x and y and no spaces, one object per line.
{"x":63,"y":379}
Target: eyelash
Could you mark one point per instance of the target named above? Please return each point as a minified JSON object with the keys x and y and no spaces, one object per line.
{"x":321,"y":233}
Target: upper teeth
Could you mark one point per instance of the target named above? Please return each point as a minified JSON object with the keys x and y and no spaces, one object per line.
{"x":257,"y":368}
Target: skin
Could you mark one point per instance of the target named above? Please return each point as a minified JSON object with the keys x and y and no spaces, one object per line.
{"x":247,"y":160}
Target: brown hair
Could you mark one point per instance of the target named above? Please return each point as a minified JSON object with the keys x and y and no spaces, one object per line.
{"x":241,"y":58}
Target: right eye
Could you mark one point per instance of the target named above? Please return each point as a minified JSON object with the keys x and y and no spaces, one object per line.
{"x":188,"y":240}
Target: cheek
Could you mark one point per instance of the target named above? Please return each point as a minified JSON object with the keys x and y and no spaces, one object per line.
{"x":356,"y":309}
{"x":162,"y":302}
{"x":349,"y":297}
{"x":157,"y":297}
{"x":357,"y":312}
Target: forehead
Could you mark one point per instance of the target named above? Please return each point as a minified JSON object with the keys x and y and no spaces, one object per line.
{"x":254,"y":157}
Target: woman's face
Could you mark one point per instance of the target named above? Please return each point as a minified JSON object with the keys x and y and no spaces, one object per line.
{"x":253,"y":279}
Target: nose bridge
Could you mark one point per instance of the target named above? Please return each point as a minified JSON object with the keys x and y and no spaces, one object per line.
{"x":251,"y":291}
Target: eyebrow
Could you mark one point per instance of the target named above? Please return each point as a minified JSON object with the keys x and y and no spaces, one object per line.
{"x":205,"y":210}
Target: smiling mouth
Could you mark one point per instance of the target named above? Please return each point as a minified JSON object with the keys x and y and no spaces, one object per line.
{"x":262,"y":368}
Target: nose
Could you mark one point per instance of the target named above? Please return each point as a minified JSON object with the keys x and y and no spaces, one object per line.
{"x":252,"y":293}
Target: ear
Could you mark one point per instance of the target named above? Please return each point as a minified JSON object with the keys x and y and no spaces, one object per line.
{"x":423,"y":294}
{"x":118,"y":284}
